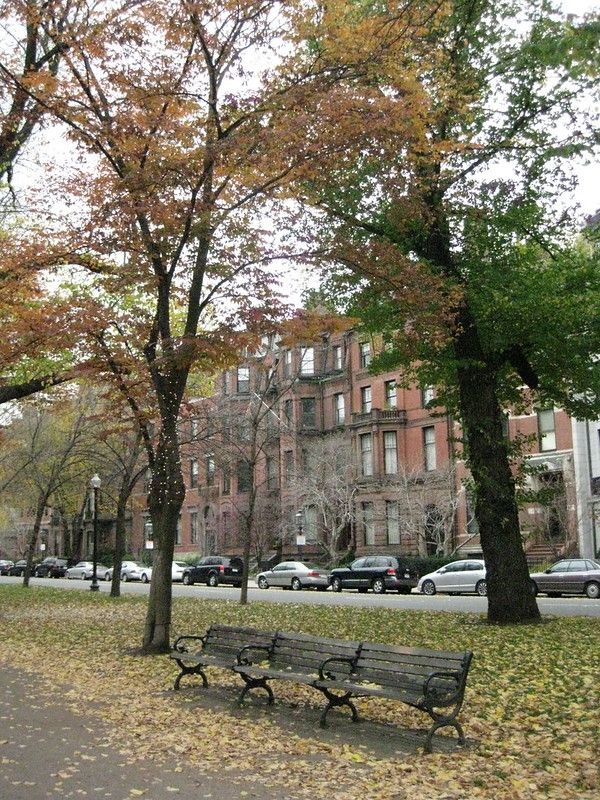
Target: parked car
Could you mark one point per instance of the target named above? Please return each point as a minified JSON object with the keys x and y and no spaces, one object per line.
{"x":5,"y":566}
{"x":378,"y":573}
{"x":467,"y":575}
{"x":569,"y":576}
{"x":294,"y":575}
{"x":213,"y":570}
{"x":84,"y":570}
{"x":18,"y":568}
{"x":177,"y":570}
{"x":126,"y":568}
{"x":52,"y":567}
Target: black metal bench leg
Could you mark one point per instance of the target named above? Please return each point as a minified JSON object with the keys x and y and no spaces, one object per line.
{"x":334,"y":702}
{"x":255,"y":683}
{"x":197,"y":670}
{"x":441,"y":721}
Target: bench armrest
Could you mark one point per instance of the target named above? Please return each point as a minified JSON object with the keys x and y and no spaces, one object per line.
{"x":326,"y":674}
{"x":455,"y":676}
{"x":243,"y":659}
{"x":181,"y":648}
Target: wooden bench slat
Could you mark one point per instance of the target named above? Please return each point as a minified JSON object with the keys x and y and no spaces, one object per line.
{"x":417,"y":651}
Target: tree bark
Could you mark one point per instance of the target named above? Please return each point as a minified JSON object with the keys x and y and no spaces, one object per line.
{"x":165,"y":498}
{"x":33,"y":539}
{"x":510,"y":599}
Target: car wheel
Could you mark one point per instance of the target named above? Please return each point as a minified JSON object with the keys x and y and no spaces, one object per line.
{"x":144,"y":578}
{"x":263,"y":583}
{"x":592,"y":590}
{"x":296,"y":585}
{"x":107,"y":576}
{"x":534,"y":588}
{"x":187,"y":579}
{"x":378,"y":586}
{"x":481,"y":588}
{"x":336,"y":585}
{"x":124,"y":577}
{"x":429,"y":588}
{"x":212,"y":580}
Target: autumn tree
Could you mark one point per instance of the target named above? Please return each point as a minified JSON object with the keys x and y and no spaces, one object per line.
{"x":34,"y":350}
{"x":179,"y":136}
{"x":48,"y":446}
{"x":448,"y":232}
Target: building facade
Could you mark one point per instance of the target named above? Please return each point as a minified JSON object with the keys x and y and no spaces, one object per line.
{"x":308,"y":453}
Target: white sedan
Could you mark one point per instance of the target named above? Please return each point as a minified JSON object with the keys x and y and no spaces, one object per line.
{"x":457,"y":577}
{"x":84,"y":570}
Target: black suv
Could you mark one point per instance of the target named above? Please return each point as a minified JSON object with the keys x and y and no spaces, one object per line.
{"x":213,"y":570}
{"x":51,"y":567}
{"x":378,"y":573}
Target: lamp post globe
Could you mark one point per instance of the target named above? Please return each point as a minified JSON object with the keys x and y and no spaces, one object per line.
{"x":95,"y":483}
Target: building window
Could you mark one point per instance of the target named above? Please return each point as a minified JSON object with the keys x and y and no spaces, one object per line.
{"x":243,"y":379}
{"x":193,"y":527}
{"x":390,"y":453}
{"x":288,"y":464}
{"x":226,"y":522}
{"x":339,"y":409}
{"x":427,"y":395}
{"x":366,"y":454}
{"x":193,"y":473}
{"x":244,"y":477}
{"x":178,"y":531}
{"x":365,"y":354}
{"x":429,"y":448}
{"x":287,"y":363}
{"x":210,"y":470}
{"x":337,"y":356}
{"x":226,"y":481}
{"x":307,"y":361}
{"x":309,"y":412}
{"x":365,"y":400}
{"x":392,"y":522}
{"x":226,"y":383}
{"x":288,"y":412}
{"x":368,"y":523}
{"x":390,"y":394}
{"x":310,"y":526}
{"x":272,"y":473}
{"x":546,"y":429}
{"x":194,"y":428}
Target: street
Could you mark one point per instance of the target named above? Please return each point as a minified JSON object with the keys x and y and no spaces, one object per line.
{"x":560,"y":607}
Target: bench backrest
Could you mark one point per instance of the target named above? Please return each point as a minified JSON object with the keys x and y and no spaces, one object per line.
{"x":303,"y":653}
{"x":226,"y":640}
{"x":408,"y":667}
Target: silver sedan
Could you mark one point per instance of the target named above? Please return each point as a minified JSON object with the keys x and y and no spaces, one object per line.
{"x":294,"y":575}
{"x":84,"y":570}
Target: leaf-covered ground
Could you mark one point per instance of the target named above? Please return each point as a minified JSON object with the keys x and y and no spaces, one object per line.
{"x":531,"y":712}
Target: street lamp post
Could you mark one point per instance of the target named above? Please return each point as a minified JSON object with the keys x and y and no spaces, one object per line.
{"x":300,"y":538}
{"x":95,"y":484}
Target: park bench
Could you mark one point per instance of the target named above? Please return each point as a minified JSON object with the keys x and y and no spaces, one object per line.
{"x":218,"y":647}
{"x":430,"y":680}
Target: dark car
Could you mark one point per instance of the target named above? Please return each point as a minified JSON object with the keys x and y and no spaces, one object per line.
{"x":5,"y":566}
{"x":213,"y":570}
{"x":18,"y":568}
{"x":51,"y":567}
{"x":378,"y":573}
{"x":569,"y":576}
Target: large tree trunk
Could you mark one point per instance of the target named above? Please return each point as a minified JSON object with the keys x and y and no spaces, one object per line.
{"x":510,"y":598}
{"x":167,"y":492}
{"x":35,"y":534}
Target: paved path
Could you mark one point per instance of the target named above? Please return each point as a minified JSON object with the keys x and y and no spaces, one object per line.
{"x":46,"y":751}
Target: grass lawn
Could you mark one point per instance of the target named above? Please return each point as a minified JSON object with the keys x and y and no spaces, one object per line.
{"x":531,"y":712}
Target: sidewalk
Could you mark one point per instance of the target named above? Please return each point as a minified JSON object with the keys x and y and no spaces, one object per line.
{"x":48,"y":752}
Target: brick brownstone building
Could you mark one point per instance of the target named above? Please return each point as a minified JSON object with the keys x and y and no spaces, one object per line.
{"x":251,"y":451}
